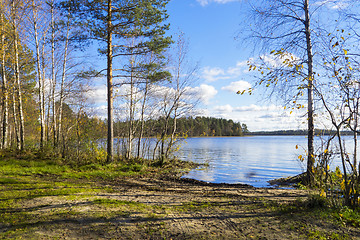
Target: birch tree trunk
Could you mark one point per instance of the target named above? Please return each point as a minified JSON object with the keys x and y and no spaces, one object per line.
{"x":310,"y":92}
{"x":17,"y":78}
{"x":63,"y":77}
{"x":142,"y":121}
{"x":15,"y":118}
{"x":53,"y":77}
{"x":40,"y":78}
{"x":5,"y":110}
{"x":131,"y":113}
{"x":286,"y":25}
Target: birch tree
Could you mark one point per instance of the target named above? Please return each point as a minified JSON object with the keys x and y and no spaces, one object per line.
{"x":16,"y":10}
{"x":63,"y":78}
{"x":286,"y":26}
{"x":39,"y":42}
{"x":5,"y":91}
{"x":176,"y":98}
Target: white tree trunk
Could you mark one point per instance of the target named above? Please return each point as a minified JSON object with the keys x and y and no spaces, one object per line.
{"x":53,"y":77}
{"x":40,"y":78}
{"x":5,"y":110}
{"x":63,"y":77}
{"x":311,"y":158}
{"x":17,"y":79}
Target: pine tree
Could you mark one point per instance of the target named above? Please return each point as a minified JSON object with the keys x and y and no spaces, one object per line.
{"x":113,"y":23}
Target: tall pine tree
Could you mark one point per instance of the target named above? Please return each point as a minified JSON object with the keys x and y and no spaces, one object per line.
{"x":113,"y":23}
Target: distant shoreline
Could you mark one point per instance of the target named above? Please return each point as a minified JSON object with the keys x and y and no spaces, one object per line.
{"x":318,"y":132}
{"x":271,"y":133}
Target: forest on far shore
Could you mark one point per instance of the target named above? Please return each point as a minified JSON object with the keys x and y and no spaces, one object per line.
{"x":189,"y":127}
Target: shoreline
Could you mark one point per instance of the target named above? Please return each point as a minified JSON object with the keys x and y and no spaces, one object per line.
{"x":39,"y":200}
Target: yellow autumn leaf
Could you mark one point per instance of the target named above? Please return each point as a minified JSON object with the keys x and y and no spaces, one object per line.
{"x":323,"y":193}
{"x":342,"y":184}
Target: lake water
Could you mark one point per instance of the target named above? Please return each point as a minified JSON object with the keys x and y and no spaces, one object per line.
{"x":249,"y":160}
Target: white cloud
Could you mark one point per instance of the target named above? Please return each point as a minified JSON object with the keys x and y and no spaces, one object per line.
{"x":237,"y":86}
{"x":99,"y":111}
{"x":204,"y":92}
{"x":213,"y":74}
{"x":275,"y":61}
{"x":97,"y":95}
{"x":257,"y":108}
{"x":259,"y":118}
{"x":216,"y":73}
{"x":206,"y":2}
{"x":238,"y":69}
{"x":224,"y":109}
{"x":161,"y":91}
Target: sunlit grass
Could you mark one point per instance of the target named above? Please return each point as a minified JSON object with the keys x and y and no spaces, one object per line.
{"x":28,"y":180}
{"x":41,"y":194}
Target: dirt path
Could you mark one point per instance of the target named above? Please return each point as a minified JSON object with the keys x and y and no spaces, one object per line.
{"x":169,"y":208}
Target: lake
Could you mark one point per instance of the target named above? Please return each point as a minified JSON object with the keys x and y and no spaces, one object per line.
{"x":249,"y":160}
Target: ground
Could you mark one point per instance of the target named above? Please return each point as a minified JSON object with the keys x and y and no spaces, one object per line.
{"x":159,"y":207}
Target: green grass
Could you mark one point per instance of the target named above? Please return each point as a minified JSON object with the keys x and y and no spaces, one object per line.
{"x":38,"y":194}
{"x":33,"y":166}
{"x":27,"y":180}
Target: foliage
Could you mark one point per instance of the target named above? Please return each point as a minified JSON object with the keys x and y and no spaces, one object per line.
{"x":340,"y":98}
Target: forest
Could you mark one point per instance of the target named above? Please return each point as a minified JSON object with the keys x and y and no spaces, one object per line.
{"x":190,"y":127}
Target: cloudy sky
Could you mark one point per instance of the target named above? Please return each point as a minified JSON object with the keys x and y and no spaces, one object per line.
{"x":211,"y":27}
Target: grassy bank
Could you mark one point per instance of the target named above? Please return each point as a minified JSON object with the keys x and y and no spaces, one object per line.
{"x":48,"y":199}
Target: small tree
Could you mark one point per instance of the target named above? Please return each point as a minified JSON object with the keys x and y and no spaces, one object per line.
{"x":340,"y":96}
{"x":175,"y":98}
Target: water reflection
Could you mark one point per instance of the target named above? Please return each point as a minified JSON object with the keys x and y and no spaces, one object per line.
{"x":249,"y":160}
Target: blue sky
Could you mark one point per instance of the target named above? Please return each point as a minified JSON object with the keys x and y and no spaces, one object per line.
{"x":211,"y":27}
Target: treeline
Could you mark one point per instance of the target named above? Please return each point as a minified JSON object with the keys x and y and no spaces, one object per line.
{"x":187,"y":126}
{"x":318,"y":132}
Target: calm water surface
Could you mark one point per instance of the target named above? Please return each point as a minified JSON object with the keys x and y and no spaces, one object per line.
{"x":250,"y":160}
